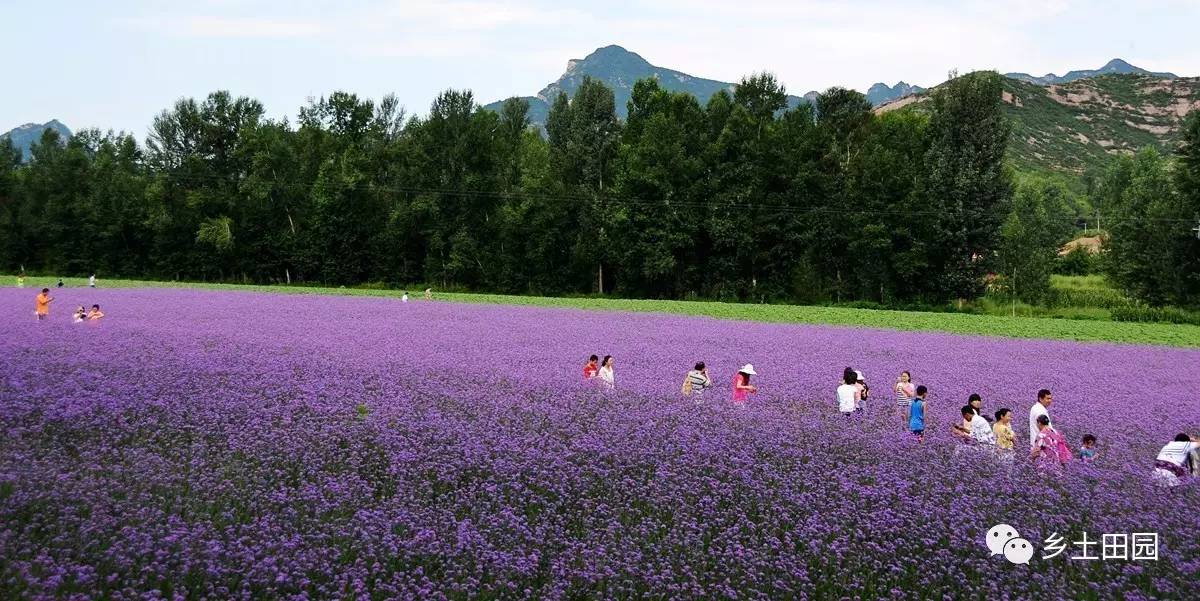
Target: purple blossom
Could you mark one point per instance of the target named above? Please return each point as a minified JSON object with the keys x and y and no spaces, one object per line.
{"x":239,"y":445}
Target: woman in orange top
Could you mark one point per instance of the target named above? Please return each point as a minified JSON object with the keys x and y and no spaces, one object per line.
{"x":95,"y":313}
{"x":43,"y":304}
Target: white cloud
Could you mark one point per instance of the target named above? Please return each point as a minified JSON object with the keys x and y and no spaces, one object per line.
{"x":224,"y":27}
{"x":480,"y":15}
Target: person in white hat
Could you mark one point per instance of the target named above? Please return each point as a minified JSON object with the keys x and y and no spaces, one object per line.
{"x":860,"y":384}
{"x":741,"y":383}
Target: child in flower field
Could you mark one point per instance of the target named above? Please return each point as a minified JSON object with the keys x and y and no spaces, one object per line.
{"x":591,"y":368}
{"x":905,"y":391}
{"x":1087,"y":453}
{"x":79,"y":315}
{"x":916,"y":413}
{"x":95,"y":313}
{"x":1049,"y":449}
{"x":864,"y":391}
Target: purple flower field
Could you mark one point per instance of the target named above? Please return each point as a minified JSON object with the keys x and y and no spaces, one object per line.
{"x":199,"y":444}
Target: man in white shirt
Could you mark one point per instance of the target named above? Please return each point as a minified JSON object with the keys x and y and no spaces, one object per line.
{"x":1039,"y":408}
{"x":979,"y":431}
{"x":1177,"y":460}
{"x":92,"y":281}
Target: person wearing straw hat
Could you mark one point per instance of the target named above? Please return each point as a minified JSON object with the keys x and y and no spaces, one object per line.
{"x":741,"y":383}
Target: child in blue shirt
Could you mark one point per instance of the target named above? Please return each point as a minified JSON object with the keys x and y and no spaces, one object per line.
{"x":1088,"y":451}
{"x":916,"y":413}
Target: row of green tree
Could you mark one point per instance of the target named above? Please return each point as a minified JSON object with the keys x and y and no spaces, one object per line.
{"x":738,"y":199}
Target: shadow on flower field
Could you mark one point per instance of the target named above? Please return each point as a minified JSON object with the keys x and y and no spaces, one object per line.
{"x":244,"y":445}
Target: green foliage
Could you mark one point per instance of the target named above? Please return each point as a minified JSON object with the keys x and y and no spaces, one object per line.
{"x":1030,"y":239}
{"x":1156,"y":314}
{"x":738,"y":199}
{"x":1078,"y":261}
{"x":967,"y":186}
{"x":1076,"y":127}
{"x":1152,"y":254}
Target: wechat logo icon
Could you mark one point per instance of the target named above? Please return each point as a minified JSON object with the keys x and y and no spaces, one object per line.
{"x":1003,"y":539}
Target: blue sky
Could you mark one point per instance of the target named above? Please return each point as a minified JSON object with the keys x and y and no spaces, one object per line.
{"x":116,"y":64}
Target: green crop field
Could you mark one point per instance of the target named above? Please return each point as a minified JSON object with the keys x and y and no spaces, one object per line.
{"x":1092,"y":330}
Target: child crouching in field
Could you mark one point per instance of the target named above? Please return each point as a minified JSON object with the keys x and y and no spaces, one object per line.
{"x":1087,"y":453}
{"x":916,"y":413}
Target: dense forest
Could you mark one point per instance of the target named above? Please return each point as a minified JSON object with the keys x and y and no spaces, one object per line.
{"x":738,"y":199}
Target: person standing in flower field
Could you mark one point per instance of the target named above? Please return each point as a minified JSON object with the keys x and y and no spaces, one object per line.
{"x":860,"y":383}
{"x":905,"y":391}
{"x":916,"y":413}
{"x":429,"y":294}
{"x":696,"y":382}
{"x":1039,"y":409}
{"x":1003,"y":430}
{"x":92,"y":281}
{"x":607,"y":377}
{"x":404,"y":297}
{"x":976,"y":403}
{"x":1049,"y":449}
{"x":43,"y":301}
{"x":591,"y":368}
{"x":21,"y":280}
{"x":742,"y":388}
{"x":847,"y":393}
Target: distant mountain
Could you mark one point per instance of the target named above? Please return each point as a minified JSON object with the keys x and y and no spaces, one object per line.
{"x":26,"y":135}
{"x":619,"y":69}
{"x":1115,"y":66}
{"x":881,"y":93}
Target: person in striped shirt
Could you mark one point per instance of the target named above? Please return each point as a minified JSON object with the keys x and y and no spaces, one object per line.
{"x":696,"y":382}
{"x":905,"y":391}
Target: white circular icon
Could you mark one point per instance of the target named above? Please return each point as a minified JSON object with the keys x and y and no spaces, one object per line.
{"x":998,"y":535}
{"x":1018,"y":550}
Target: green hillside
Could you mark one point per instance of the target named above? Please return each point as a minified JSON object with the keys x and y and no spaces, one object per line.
{"x":1073,"y":127}
{"x":1078,"y":125}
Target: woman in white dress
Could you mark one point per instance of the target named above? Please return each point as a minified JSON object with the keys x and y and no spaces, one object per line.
{"x":606,"y":373}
